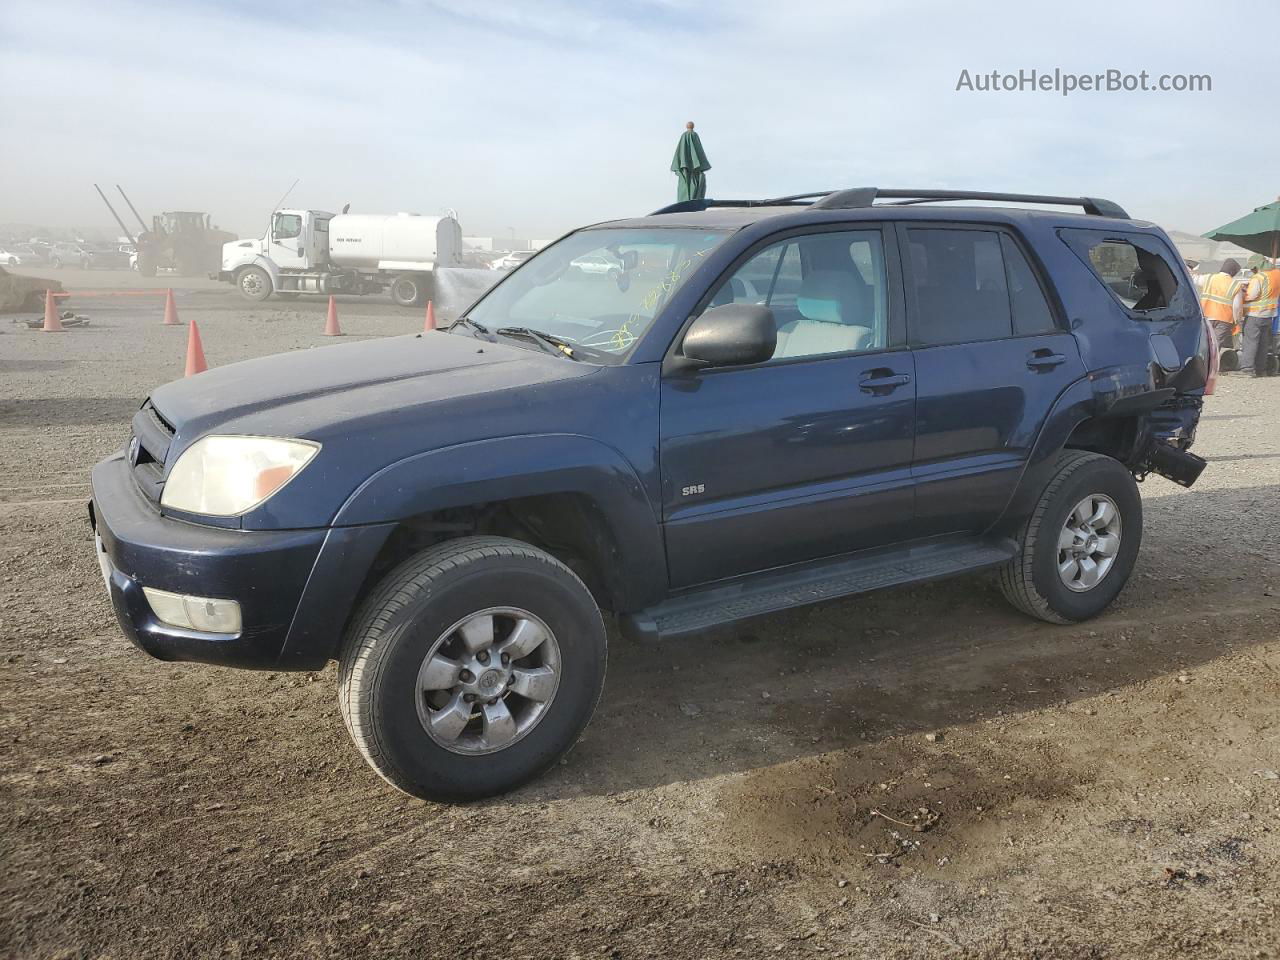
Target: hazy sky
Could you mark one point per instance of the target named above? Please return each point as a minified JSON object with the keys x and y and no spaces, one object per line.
{"x":539,"y":116}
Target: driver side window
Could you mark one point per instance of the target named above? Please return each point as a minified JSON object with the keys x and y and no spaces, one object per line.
{"x":287,"y":226}
{"x":827,"y":291}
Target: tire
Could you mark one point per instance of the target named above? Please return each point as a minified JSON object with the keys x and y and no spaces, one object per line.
{"x":417,"y":610}
{"x":254,"y":284}
{"x":1036,"y":579}
{"x":408,"y":290}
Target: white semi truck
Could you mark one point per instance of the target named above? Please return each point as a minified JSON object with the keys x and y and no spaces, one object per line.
{"x":312,"y":251}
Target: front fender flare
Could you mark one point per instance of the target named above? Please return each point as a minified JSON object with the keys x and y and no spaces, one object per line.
{"x":257,"y":260}
{"x":508,"y":468}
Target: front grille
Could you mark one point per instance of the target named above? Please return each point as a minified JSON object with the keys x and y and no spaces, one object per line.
{"x":148,"y":448}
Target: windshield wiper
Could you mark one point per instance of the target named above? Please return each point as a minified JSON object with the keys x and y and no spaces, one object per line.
{"x":548,"y":341}
{"x":468,"y":322}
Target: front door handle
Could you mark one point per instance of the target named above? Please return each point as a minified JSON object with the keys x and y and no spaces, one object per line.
{"x":1045,"y":360}
{"x":875,"y":381}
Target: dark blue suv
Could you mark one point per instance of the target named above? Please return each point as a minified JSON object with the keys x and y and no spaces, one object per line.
{"x":757,"y":405}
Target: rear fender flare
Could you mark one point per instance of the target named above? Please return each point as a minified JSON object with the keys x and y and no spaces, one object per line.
{"x":1074,"y":405}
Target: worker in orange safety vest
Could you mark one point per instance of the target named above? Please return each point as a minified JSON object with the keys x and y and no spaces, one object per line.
{"x":1222,"y":301}
{"x":1261,"y":296}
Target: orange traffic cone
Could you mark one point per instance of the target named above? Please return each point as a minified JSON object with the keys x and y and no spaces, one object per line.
{"x":170,"y":310}
{"x":195,"y":352}
{"x":431,"y":317}
{"x":331,"y":328}
{"x":52,"y":323}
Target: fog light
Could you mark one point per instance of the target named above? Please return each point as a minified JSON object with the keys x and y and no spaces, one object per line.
{"x":194,"y":613}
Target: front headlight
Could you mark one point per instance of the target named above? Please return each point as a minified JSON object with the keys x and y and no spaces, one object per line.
{"x":227,"y":476}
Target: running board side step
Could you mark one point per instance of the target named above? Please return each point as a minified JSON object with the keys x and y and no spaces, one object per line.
{"x":803,"y":584}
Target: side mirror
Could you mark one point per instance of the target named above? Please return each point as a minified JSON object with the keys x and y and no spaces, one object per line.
{"x":731,"y":335}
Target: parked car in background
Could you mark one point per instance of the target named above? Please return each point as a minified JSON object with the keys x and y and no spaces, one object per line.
{"x":88,"y":256}
{"x":31,"y":253}
{"x":512,"y":260}
{"x":69,"y":254}
{"x":10,"y":257}
{"x":598,"y":264}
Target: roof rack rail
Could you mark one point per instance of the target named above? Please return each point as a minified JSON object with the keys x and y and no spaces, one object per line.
{"x":862,"y":197}
{"x":695,"y":206}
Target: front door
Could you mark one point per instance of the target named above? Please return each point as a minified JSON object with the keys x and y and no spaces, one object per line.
{"x":288,"y":241}
{"x":991,"y":359}
{"x":807,"y":455}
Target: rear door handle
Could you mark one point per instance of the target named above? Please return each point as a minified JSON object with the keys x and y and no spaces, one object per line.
{"x":886,"y":380}
{"x":1044,"y":360}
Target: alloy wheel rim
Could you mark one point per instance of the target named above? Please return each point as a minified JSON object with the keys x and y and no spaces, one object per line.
{"x":487,"y":681}
{"x":1089,"y":543}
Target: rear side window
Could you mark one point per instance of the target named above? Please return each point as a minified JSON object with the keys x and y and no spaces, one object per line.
{"x":1135,"y":269}
{"x":1031,"y":311}
{"x":961,"y":292}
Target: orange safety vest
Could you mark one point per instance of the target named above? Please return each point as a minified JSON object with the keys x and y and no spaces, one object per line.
{"x":1264,"y":305}
{"x":1219,"y":290}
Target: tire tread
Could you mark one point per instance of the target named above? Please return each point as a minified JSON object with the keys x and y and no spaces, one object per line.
{"x":364,"y":656}
{"x":1015,"y":577}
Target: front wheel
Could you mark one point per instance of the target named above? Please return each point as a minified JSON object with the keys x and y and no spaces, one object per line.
{"x":1081,"y":543}
{"x":254,"y":283}
{"x":471,"y":668}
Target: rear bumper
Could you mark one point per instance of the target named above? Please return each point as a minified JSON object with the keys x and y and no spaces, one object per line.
{"x":295,"y":588}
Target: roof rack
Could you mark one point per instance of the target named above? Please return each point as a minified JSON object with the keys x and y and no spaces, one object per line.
{"x":862,"y":197}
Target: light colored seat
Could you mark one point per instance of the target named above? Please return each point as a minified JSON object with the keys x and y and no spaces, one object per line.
{"x":803,"y":337}
{"x":830,"y":304}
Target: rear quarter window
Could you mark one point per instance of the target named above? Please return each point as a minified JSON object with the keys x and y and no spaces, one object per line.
{"x":1138,"y":269}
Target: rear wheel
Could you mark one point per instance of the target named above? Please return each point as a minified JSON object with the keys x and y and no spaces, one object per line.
{"x":408,"y":290}
{"x":254,"y":283}
{"x":472,"y":667}
{"x":1081,"y":542}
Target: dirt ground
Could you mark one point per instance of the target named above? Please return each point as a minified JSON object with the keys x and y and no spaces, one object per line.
{"x":917,"y":773}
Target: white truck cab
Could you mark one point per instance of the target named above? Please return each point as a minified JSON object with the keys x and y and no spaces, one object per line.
{"x":315,"y":251}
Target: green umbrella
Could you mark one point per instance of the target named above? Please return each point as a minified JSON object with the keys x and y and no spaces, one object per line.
{"x":1258,"y":231}
{"x":690,"y":166}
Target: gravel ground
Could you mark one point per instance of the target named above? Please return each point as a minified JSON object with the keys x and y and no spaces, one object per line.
{"x":920,"y":772}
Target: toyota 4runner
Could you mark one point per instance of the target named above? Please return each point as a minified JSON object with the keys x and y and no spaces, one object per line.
{"x":767,"y":404}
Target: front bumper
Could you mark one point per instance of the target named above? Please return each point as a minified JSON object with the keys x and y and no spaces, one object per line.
{"x":295,"y":588}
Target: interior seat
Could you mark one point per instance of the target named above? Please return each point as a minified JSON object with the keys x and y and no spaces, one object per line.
{"x":836,"y":310}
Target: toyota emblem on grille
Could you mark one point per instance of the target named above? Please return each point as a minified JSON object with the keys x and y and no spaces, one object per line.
{"x":133,"y":451}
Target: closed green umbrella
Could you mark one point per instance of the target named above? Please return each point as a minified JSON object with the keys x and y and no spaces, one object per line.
{"x":1258,"y":231}
{"x":690,"y":166}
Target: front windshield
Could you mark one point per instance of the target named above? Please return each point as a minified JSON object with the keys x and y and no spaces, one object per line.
{"x":598,"y":288}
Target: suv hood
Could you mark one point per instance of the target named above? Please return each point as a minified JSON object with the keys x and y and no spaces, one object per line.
{"x":334,"y":391}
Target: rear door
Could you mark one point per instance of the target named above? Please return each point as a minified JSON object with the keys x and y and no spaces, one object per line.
{"x":807,"y":455}
{"x":992,"y":354}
